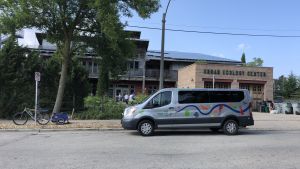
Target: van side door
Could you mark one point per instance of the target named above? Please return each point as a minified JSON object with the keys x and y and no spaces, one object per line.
{"x":194,"y":109}
{"x":160,"y":107}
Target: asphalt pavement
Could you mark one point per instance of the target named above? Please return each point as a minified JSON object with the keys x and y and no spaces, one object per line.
{"x":252,"y":149}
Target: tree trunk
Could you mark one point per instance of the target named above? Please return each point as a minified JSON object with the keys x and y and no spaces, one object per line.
{"x":63,"y":76}
{"x":103,"y":81}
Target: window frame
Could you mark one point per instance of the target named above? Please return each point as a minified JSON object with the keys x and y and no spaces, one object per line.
{"x":147,"y":106}
{"x":239,"y":97}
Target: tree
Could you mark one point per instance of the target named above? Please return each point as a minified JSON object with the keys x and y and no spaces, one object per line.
{"x":77,"y":82}
{"x":113,"y":60}
{"x":290,"y":86}
{"x":243,"y":58}
{"x":17,"y":67}
{"x":67,"y":22}
{"x":257,"y":62}
{"x":279,"y":89}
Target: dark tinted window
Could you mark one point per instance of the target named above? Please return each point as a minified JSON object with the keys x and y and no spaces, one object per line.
{"x":161,"y":99}
{"x":165,"y":98}
{"x":185,"y":97}
{"x":226,"y":96}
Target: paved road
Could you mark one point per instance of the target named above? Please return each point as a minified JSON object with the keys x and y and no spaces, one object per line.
{"x":276,"y":149}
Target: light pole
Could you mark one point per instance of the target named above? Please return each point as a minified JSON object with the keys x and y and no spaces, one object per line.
{"x":161,"y":72}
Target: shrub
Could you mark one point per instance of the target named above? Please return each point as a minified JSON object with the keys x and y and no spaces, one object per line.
{"x":101,"y":108}
{"x":140,"y":98}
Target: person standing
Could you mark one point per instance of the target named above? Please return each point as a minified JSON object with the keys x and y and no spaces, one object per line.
{"x":126,"y":97}
{"x":119,"y":97}
{"x":131,"y":98}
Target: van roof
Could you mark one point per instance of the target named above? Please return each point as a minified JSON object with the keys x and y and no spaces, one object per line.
{"x":202,"y":89}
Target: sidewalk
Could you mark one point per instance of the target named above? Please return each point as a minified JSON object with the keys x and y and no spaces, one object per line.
{"x":74,"y":124}
{"x":263,"y":121}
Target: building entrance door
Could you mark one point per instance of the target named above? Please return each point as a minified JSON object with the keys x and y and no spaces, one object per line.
{"x":122,"y":91}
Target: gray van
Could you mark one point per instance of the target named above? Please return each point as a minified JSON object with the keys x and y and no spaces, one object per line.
{"x":216,"y":109}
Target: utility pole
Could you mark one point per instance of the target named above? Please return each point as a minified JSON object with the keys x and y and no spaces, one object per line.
{"x":144,"y":76}
{"x":161,"y":72}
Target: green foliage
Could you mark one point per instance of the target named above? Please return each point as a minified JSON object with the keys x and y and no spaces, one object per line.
{"x":77,"y":82}
{"x":243,"y":58}
{"x":287,"y":87}
{"x":114,"y":55}
{"x":257,"y":62}
{"x":17,"y":87}
{"x":101,"y":108}
{"x":17,"y":67}
{"x":296,"y":94}
{"x":140,"y":98}
{"x":290,"y":86}
{"x":72,"y":23}
{"x":91,"y":102}
{"x":279,"y":86}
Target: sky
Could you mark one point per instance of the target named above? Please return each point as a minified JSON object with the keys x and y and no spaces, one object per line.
{"x":277,"y":17}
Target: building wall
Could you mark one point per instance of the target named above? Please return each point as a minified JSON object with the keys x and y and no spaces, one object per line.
{"x":233,"y":74}
{"x":187,"y":77}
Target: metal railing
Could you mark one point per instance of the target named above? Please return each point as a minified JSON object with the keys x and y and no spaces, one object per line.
{"x":170,"y":75}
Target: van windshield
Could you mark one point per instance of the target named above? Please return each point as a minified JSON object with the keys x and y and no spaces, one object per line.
{"x":145,"y":99}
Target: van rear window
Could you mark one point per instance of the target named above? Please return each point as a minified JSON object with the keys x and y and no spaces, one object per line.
{"x":226,"y":96}
{"x":185,"y":97}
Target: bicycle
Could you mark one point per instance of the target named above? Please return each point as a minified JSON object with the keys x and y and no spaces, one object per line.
{"x":21,"y":118}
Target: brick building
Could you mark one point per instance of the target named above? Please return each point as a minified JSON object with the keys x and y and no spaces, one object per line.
{"x":258,"y":80}
{"x":142,"y":71}
{"x":181,"y":70}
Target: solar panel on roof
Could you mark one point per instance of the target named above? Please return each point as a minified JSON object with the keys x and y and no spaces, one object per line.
{"x":190,"y":56}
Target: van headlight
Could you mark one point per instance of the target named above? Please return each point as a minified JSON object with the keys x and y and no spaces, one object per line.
{"x":129,"y":111}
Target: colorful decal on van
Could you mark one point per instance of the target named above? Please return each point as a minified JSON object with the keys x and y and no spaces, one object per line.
{"x":187,"y":113}
{"x":220,"y":106}
{"x":204,"y":107}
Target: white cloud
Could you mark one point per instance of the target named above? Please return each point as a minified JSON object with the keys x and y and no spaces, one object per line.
{"x":243,"y":47}
{"x":218,"y":54}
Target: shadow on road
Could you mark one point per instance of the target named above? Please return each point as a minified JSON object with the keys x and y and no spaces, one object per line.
{"x":210,"y":133}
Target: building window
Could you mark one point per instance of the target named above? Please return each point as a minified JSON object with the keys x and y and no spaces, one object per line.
{"x":218,"y":85}
{"x":131,"y":64}
{"x":245,"y":86}
{"x":132,"y":89}
{"x":208,"y":85}
{"x":136,"y":65}
{"x":257,"y":89}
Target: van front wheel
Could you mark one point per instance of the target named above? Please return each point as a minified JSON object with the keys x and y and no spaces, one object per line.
{"x":230,"y":127}
{"x":146,"y":128}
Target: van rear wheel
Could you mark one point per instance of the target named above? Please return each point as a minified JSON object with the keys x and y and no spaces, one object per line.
{"x":230,"y":127}
{"x":146,"y":128}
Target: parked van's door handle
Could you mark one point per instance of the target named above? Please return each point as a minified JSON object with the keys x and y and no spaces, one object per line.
{"x":171,"y":108}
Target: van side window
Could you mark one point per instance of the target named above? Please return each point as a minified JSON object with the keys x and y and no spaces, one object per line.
{"x":226,"y":96}
{"x":185,"y":97}
{"x":161,"y":99}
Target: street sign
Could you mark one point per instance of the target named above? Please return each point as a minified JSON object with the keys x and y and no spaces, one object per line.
{"x":37,"y":76}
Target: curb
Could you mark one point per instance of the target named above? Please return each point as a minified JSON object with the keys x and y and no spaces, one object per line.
{"x":116,"y":129}
{"x":57,"y":130}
